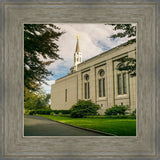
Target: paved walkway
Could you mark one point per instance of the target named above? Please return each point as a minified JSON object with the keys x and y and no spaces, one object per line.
{"x":40,"y":126}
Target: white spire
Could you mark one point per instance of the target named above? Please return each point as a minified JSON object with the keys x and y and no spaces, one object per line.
{"x":77,"y":55}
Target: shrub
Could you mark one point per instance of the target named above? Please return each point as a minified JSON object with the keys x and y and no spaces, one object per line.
{"x":117,"y":110}
{"x":62,"y":111}
{"x":40,"y":111}
{"x":52,"y":113}
{"x":84,"y":108}
{"x":133,"y":113}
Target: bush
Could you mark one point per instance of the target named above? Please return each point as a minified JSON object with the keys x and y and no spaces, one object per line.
{"x":62,"y":111}
{"x":133,"y":113}
{"x":52,"y":114}
{"x":40,"y":111}
{"x":117,"y":110}
{"x":84,"y":108}
{"x":48,"y":111}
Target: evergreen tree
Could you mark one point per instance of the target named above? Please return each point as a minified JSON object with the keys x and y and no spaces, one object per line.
{"x":40,"y":50}
{"x":126,"y":63}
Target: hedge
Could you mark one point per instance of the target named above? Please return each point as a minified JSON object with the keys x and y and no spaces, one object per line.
{"x":61,"y":111}
{"x":114,"y":117}
{"x":40,"y":111}
{"x":48,"y":111}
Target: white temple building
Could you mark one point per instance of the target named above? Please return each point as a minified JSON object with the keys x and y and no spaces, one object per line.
{"x":96,"y":79}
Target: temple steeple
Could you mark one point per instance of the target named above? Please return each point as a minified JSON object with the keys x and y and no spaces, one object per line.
{"x":77,"y":55}
{"x":77,"y":46}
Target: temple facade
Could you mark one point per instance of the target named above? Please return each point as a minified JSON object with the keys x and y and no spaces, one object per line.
{"x":97,"y":79}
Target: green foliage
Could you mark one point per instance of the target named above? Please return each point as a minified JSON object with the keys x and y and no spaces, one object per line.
{"x":84,"y":108}
{"x":62,"y":111}
{"x":134,"y":113}
{"x":119,"y":127}
{"x":126,"y":63}
{"x":126,"y":30}
{"x":26,"y":112}
{"x":40,"y":49}
{"x":35,"y":100}
{"x":117,"y":110}
{"x":52,"y":113}
{"x":114,"y":117}
{"x":46,"y":111}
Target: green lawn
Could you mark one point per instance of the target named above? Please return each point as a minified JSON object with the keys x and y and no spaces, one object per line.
{"x":119,"y":127}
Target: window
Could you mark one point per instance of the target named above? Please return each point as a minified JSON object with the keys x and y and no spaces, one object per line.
{"x":101,"y":83}
{"x":88,"y":91}
{"x":65,"y":95}
{"x":86,"y":87}
{"x":103,"y":87}
{"x":124,"y":83}
{"x":100,"y":88}
{"x":101,"y":73}
{"x":121,"y":82}
{"x":86,"y":77}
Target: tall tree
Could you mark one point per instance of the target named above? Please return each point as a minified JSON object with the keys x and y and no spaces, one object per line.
{"x":40,"y":50}
{"x":126,"y":30}
{"x":36,"y":100}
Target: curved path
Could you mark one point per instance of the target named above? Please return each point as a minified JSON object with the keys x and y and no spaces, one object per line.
{"x":40,"y":126}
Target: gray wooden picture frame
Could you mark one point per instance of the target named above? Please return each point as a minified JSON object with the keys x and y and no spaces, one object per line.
{"x":15,"y":15}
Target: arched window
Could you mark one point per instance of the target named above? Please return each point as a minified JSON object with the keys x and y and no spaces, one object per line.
{"x":101,"y":83}
{"x":121,"y":81}
{"x":86,"y":87}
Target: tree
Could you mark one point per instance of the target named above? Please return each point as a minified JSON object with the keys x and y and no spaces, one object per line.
{"x":126,"y":30}
{"x":35,"y":100}
{"x":126,"y":63}
{"x":40,"y":50}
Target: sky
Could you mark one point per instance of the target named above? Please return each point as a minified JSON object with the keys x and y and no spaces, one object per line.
{"x":94,"y":39}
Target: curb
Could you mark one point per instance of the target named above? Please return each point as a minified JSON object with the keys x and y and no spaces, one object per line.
{"x":87,"y":129}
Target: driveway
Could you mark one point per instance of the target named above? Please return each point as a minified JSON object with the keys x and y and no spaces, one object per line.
{"x":40,"y":126}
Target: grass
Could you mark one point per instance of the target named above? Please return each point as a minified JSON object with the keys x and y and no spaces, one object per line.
{"x":119,"y":127}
